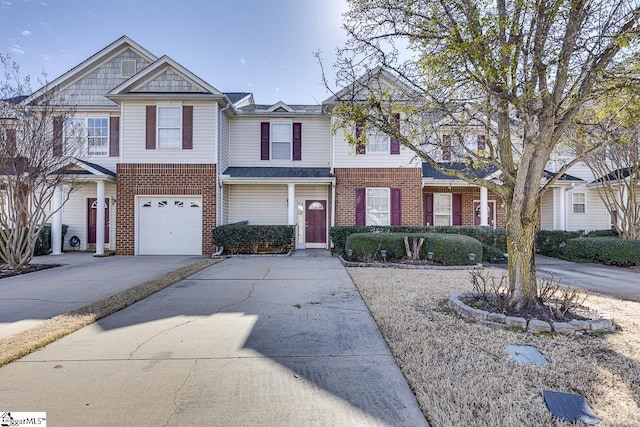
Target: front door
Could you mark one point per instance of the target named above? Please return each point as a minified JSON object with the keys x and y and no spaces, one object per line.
{"x":316,"y":223}
{"x":490,"y":215}
{"x":92,"y":220}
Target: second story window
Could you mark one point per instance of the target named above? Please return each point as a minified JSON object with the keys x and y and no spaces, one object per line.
{"x":378,"y":143}
{"x":579,"y":203}
{"x":169,"y":127}
{"x":87,"y":135}
{"x":281,"y":135}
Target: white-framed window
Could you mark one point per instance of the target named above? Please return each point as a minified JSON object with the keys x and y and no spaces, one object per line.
{"x":378,"y":143}
{"x":169,"y":126}
{"x":442,"y":209}
{"x":579,"y":201}
{"x":281,"y":136}
{"x":378,"y":206}
{"x":87,"y":134}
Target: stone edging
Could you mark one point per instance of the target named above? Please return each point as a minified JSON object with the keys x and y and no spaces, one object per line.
{"x":409,"y":266}
{"x":604,"y":322}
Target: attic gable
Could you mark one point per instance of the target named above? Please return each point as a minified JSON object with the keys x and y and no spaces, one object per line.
{"x":377,"y":79}
{"x":87,"y":83}
{"x":165,"y":76}
{"x":280,"y":107}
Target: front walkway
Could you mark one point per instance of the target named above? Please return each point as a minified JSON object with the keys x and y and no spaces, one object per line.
{"x":269,"y":341}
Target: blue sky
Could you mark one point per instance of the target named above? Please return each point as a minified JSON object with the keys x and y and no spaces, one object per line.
{"x":259,"y":46}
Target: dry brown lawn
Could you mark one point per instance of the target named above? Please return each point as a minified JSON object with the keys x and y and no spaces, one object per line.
{"x":461,"y":373}
{"x":28,"y":341}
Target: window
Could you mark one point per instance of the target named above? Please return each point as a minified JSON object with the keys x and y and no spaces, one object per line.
{"x":90,"y":135}
{"x":378,"y":205}
{"x":579,"y":203}
{"x":442,"y":209}
{"x":281,"y":141}
{"x":378,"y":143}
{"x":481,"y":143}
{"x":127,"y":68}
{"x":169,"y":127}
{"x":446,"y":148}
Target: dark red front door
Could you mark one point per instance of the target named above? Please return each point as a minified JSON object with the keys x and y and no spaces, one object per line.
{"x":92,"y":219}
{"x":316,"y":217}
{"x":476,"y":216}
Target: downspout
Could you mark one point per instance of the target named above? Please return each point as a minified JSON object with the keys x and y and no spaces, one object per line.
{"x":333,"y":184}
{"x":219,"y":186}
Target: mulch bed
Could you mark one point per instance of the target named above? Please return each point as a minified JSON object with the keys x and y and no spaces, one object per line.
{"x":4,"y":272}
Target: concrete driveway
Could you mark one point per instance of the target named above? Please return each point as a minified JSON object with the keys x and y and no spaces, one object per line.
{"x":250,"y":341}
{"x":622,"y":283}
{"x":27,"y":300}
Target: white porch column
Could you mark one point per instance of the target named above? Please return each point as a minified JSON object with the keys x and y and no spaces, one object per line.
{"x":292,"y":204}
{"x":484,"y":207}
{"x":56,"y":222}
{"x":100,"y":220}
{"x":563,"y":209}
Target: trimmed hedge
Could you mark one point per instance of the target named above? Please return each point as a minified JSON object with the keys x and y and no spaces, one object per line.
{"x":254,"y":238}
{"x":494,"y":241}
{"x":604,"y":250}
{"x":448,"y":249}
{"x":553,"y":242}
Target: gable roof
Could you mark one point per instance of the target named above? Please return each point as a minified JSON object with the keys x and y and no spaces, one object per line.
{"x":134,"y":86}
{"x":91,"y":63}
{"x":430,"y":172}
{"x":622,"y":173}
{"x":361,"y":83}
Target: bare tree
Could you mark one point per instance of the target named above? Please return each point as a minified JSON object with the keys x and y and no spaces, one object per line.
{"x":517,"y":71}
{"x":33,"y":163}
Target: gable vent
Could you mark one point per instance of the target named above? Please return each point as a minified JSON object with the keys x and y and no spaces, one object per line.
{"x":128,"y":67}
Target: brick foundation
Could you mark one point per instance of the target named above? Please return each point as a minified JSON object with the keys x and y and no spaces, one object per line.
{"x":409,"y":180}
{"x":150,"y":179}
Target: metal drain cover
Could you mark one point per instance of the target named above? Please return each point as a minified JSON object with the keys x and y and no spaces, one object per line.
{"x":570,"y":407}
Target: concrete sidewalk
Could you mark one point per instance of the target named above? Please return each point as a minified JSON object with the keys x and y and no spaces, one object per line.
{"x":29,"y":299}
{"x":250,"y":341}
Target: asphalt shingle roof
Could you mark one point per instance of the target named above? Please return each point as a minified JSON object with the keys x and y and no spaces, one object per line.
{"x":278,"y":172}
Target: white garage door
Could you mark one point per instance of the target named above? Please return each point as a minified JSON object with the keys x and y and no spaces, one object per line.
{"x":169,"y":225}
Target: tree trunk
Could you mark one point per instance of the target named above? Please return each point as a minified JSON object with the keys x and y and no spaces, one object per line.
{"x":521,"y":233}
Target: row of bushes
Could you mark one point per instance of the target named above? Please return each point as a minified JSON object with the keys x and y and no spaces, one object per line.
{"x":448,"y":249}
{"x":240,"y":238}
{"x":553,"y":242}
{"x":494,"y":241}
{"x":603,"y":250}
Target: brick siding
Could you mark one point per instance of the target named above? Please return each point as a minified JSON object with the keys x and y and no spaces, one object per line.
{"x":150,"y":179}
{"x":409,"y":180}
{"x":469,"y":194}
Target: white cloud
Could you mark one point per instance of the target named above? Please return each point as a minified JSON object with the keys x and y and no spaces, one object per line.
{"x":283,"y":66}
{"x":26,"y":33}
{"x":243,"y":61}
{"x":5,"y":4}
{"x":46,"y":57}
{"x":17,"y":49}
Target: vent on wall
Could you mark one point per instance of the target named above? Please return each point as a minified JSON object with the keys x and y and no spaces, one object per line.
{"x":128,"y":67}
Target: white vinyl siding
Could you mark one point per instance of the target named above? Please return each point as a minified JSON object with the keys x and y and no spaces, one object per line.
{"x":133,"y":132}
{"x":442,"y":209}
{"x":345,"y":156}
{"x":258,"y":204}
{"x":597,"y":216}
{"x":378,"y":206}
{"x":312,"y":192}
{"x":548,"y":208}
{"x":245,"y":143}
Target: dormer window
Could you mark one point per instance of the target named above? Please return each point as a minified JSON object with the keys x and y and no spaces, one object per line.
{"x":127,"y":68}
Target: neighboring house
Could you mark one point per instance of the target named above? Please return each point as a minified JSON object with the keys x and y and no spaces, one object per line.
{"x":169,"y":157}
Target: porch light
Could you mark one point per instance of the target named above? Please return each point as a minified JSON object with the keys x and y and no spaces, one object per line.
{"x":430,"y":256}
{"x":472,"y":257}
{"x":384,"y":255}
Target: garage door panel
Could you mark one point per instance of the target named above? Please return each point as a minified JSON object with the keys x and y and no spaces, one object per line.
{"x":170,"y":225}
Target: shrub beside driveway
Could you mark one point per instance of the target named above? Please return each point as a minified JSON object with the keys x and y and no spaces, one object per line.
{"x":461,"y":373}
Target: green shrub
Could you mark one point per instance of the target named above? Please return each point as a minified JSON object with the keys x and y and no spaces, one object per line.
{"x":604,"y":250}
{"x":494,"y":241}
{"x":602,"y":233}
{"x":448,"y":249}
{"x":254,"y":238}
{"x":553,"y":242}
